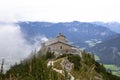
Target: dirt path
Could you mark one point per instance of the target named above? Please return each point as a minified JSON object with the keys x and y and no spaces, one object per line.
{"x":51,"y":63}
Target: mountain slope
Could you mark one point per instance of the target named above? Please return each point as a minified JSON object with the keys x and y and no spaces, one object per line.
{"x":108,"y":51}
{"x":38,"y":68}
{"x":114,"y":26}
{"x":81,"y":34}
{"x":77,"y":32}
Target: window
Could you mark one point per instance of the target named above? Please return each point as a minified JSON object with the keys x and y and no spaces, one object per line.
{"x":49,"y":48}
{"x":60,"y":47}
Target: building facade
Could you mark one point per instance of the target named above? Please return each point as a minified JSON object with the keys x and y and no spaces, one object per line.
{"x":59,"y":45}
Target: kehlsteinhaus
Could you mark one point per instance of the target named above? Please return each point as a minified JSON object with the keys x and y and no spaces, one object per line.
{"x":59,"y":45}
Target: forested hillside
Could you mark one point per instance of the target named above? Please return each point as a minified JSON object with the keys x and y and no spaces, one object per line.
{"x":37,"y":67}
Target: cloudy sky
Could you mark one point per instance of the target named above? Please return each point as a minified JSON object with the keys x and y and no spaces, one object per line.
{"x":13,"y":46}
{"x":59,"y":10}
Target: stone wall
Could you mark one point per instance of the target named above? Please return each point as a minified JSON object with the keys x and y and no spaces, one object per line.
{"x":59,"y":46}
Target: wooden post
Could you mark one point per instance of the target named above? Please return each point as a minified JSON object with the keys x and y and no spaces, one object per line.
{"x":2,"y":65}
{"x":30,"y":69}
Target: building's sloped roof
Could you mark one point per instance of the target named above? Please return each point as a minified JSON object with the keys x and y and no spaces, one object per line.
{"x":56,"y":40}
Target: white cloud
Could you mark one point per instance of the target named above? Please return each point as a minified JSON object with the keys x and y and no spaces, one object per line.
{"x":12,"y":43}
{"x":13,"y":46}
{"x":38,"y":40}
{"x":59,"y":10}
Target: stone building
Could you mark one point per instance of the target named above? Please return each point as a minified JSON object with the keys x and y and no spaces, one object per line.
{"x":59,"y":45}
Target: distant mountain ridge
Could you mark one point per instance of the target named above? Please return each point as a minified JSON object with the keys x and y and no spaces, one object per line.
{"x":114,"y":26}
{"x":76,"y":32}
{"x":89,"y":36}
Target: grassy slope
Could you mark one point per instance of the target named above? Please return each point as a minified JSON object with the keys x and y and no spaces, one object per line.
{"x":115,"y":70}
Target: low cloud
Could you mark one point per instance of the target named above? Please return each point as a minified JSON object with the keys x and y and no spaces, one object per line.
{"x":13,"y":45}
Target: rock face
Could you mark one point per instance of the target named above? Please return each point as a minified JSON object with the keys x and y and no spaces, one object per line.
{"x":67,"y":65}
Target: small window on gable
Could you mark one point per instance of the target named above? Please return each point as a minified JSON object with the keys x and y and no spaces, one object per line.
{"x":60,"y":47}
